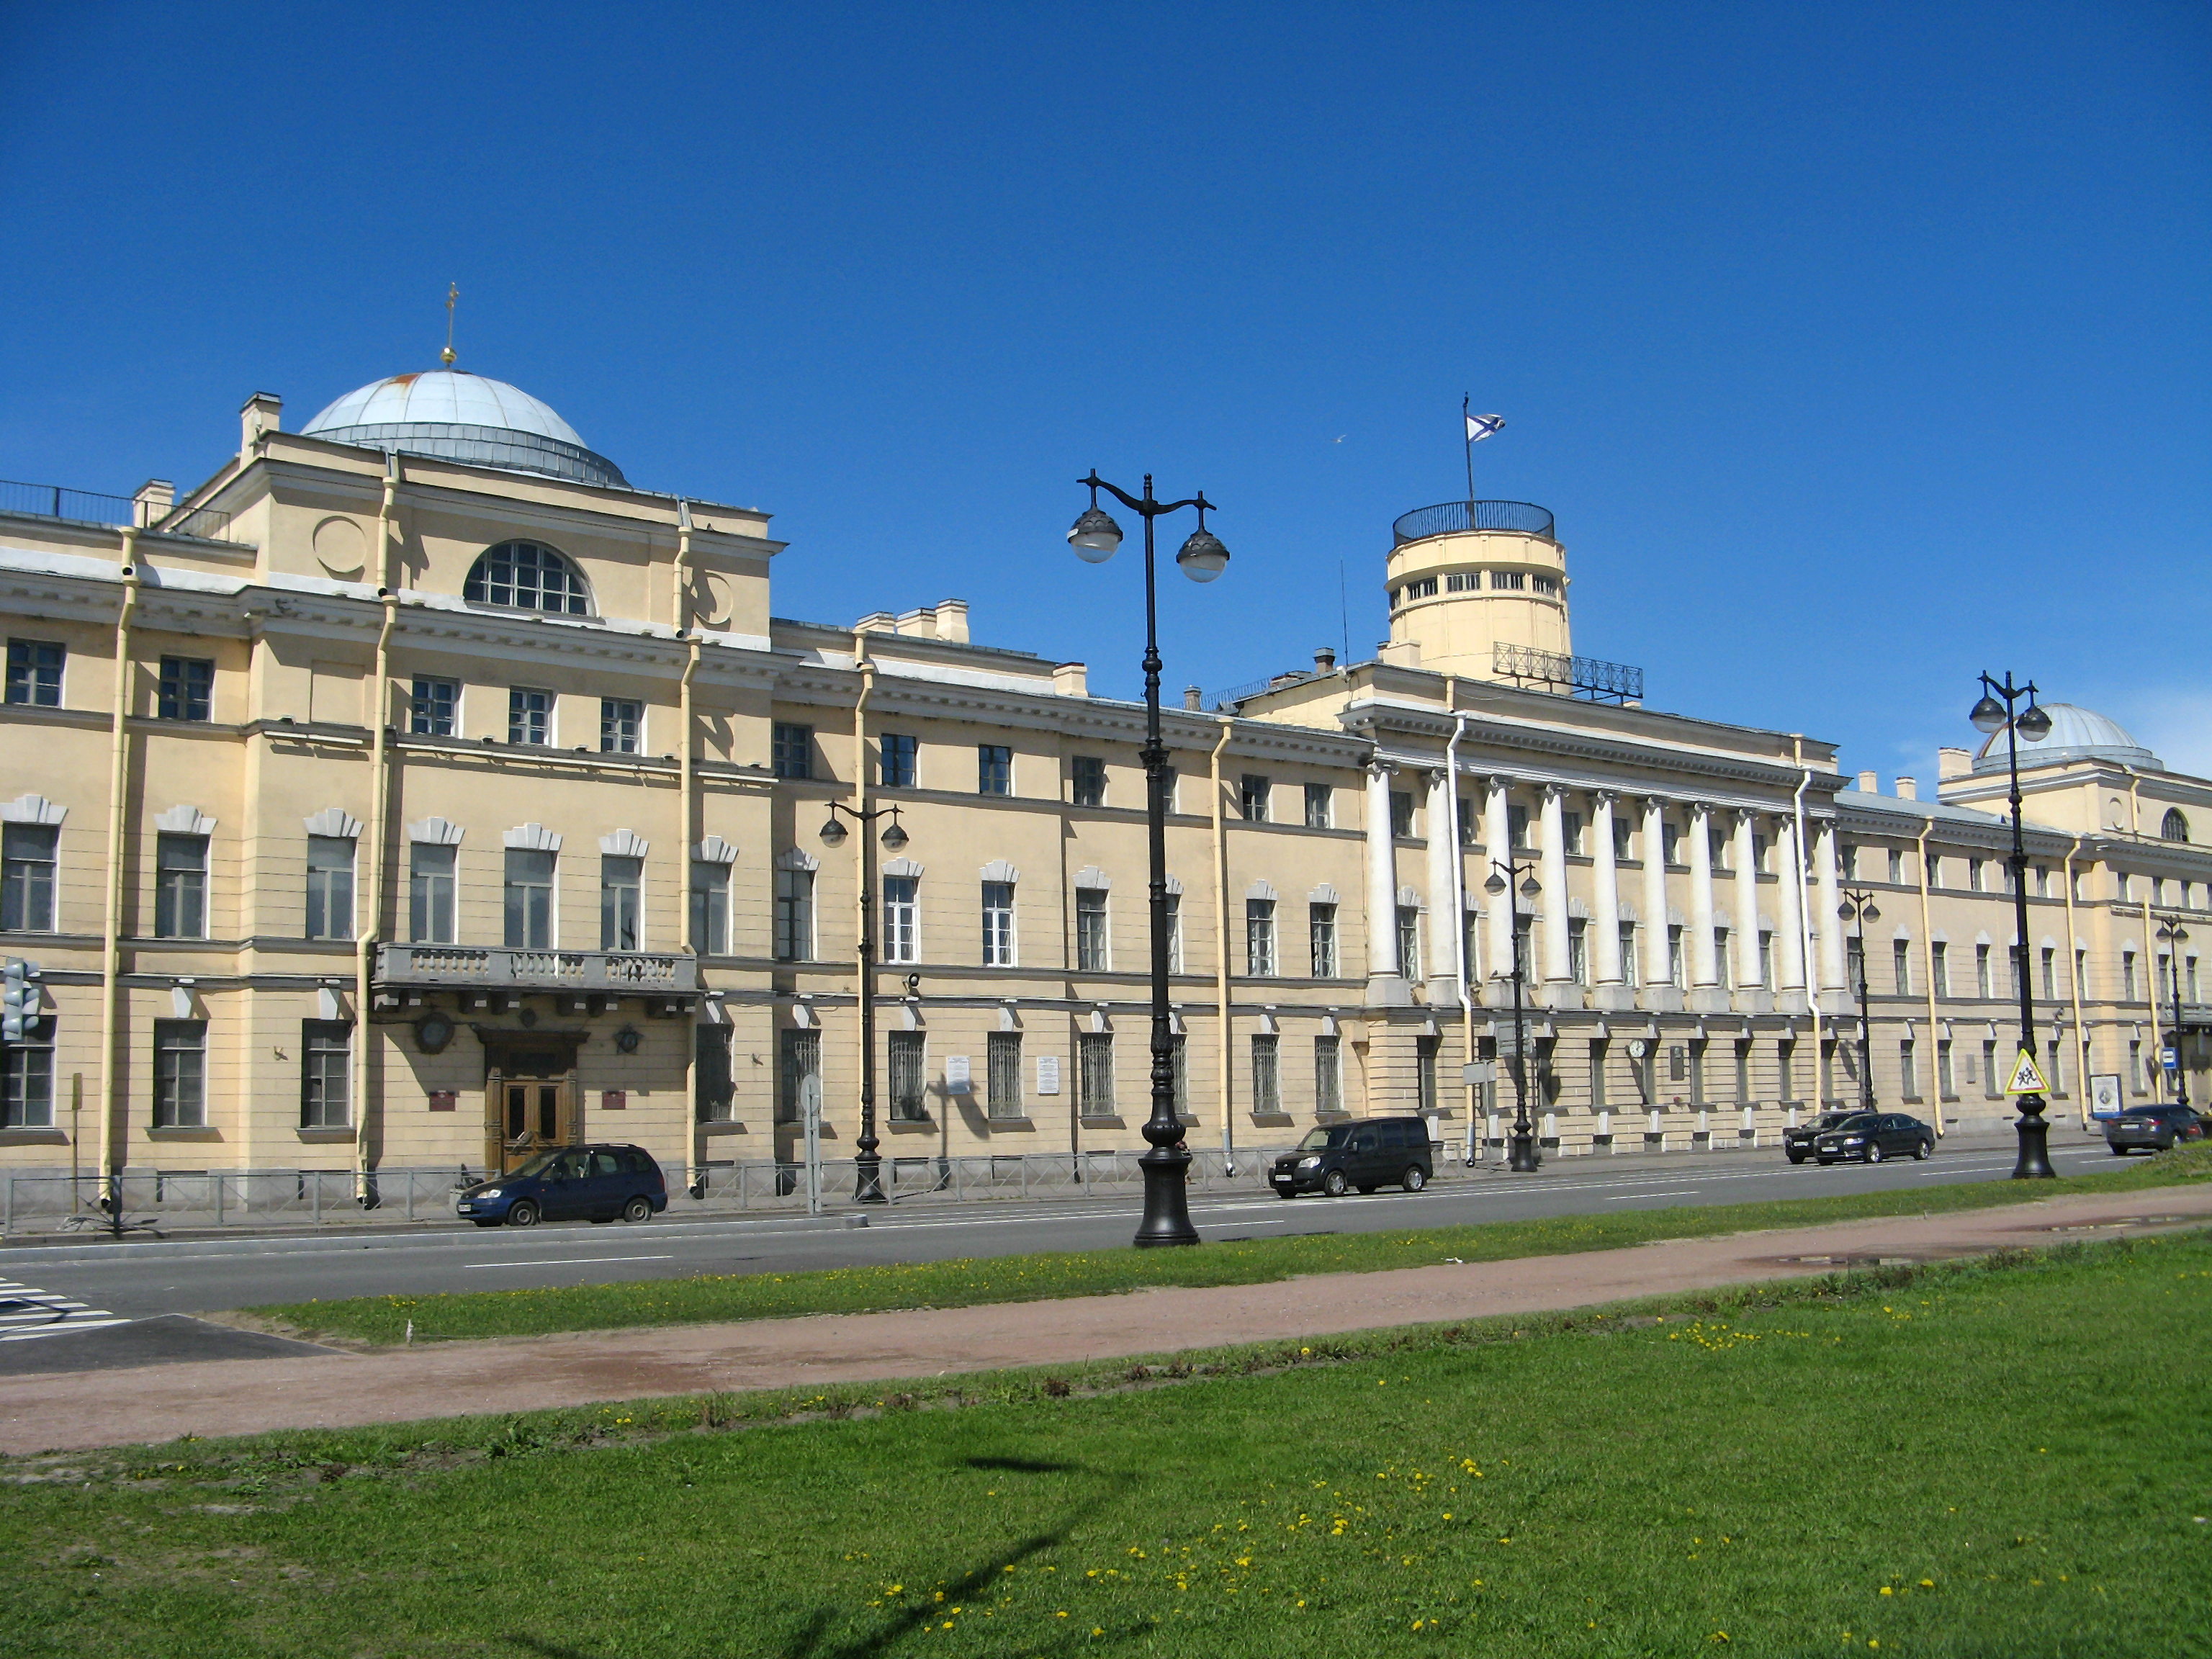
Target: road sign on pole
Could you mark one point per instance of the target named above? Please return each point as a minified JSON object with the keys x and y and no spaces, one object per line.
{"x":2027,"y":1076}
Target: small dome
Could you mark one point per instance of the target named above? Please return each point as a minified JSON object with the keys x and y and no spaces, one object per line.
{"x":2075,"y":734}
{"x":459,"y":416}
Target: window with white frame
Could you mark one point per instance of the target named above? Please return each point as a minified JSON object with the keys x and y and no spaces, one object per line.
{"x":1908,"y":1075}
{"x":527,"y":576}
{"x":2051,"y":972}
{"x":1409,"y":940}
{"x":187,"y":689}
{"x":1631,"y":972}
{"x":1983,"y":988}
{"x":180,"y":1075}
{"x":1939,"y":968}
{"x":622,"y":726}
{"x":1578,"y":967}
{"x":1094,"y":1072}
{"x":1900,"y":961}
{"x":434,"y":710}
{"x":998,"y":924}
{"x":1090,"y":944}
{"x":1320,"y":806}
{"x":1321,"y":926}
{"x":1678,"y":971}
{"x":1174,"y":933}
{"x":29,"y":857}
{"x":1252,"y":798}
{"x":27,"y":1077}
{"x":528,"y":897}
{"x":1087,"y":781}
{"x":899,"y":763}
{"x":330,"y":886}
{"x":1402,"y":814}
{"x":794,"y":915}
{"x":621,"y":904}
{"x":1002,"y":1075}
{"x":35,"y":673}
{"x":1946,"y":1084}
{"x":325,"y":1072}
{"x":710,"y":907}
{"x":1259,"y":937}
{"x":901,"y":919}
{"x":1765,"y":959}
{"x":2127,"y":976}
{"x":430,"y":893}
{"x":529,"y":716}
{"x":180,"y":884}
{"x":994,"y":769}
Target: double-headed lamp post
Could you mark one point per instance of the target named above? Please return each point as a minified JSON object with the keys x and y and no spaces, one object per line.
{"x":2174,"y":935}
{"x":1095,"y":537}
{"x":1859,"y":907}
{"x":867,"y":1165}
{"x":1524,"y":1159}
{"x":1992,"y":714}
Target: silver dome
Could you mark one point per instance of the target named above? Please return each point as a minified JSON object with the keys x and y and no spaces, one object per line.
{"x":459,"y":416}
{"x":2076,"y":733}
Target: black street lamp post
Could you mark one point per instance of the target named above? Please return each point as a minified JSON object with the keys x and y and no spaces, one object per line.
{"x":1166,"y":1164}
{"x":2173,"y":935}
{"x":1991,"y":715}
{"x":1524,"y":1158}
{"x":867,"y":1164}
{"x":1859,"y":907}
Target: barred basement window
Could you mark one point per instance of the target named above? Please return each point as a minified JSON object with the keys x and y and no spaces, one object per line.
{"x":325,"y":1070}
{"x":1002,"y":1075}
{"x":1094,"y":1053}
{"x":715,"y":1090}
{"x":909,"y":1057}
{"x":1266,"y":1073}
{"x":798,"y":1073}
{"x":1328,"y":1077}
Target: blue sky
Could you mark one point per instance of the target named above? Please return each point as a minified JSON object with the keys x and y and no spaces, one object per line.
{"x":1855,"y":348}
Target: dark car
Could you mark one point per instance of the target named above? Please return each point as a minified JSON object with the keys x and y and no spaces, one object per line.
{"x":2153,"y":1128}
{"x":570,"y":1183}
{"x":1375,"y":1151}
{"x":1874,"y":1136}
{"x":1797,"y":1143}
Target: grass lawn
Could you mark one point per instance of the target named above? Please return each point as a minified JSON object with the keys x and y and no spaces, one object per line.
{"x":384,"y":1319}
{"x":2000,"y":1459}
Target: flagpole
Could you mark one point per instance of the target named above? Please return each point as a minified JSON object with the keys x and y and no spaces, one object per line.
{"x":1466,"y":432}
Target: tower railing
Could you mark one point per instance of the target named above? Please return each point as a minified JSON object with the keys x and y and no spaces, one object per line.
{"x":1460,"y":518}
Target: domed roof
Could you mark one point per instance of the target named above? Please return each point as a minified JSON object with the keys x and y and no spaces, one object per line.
{"x":457,"y":416}
{"x":2076,"y":733}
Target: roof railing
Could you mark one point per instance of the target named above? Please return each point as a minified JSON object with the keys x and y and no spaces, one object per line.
{"x":1461,"y":518}
{"x":57,"y":501}
{"x":1581,"y":677}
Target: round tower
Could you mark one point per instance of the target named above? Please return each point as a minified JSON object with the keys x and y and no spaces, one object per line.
{"x":1476,"y":588}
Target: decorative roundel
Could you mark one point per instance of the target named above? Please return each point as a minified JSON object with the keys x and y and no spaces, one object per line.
{"x":628,"y":1039}
{"x":433,"y":1032}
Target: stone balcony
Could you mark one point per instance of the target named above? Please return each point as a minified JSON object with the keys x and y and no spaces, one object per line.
{"x":497,"y":977}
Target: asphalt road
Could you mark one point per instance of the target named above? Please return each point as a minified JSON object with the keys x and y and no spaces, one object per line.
{"x":141,"y":1281}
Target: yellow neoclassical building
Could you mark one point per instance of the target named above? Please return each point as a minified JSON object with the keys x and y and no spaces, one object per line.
{"x":414,"y":793}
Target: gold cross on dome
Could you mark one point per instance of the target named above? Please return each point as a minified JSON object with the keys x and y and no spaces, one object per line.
{"x":452,"y":293}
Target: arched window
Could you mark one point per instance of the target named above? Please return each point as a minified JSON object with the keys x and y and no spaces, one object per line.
{"x":2173,"y":827}
{"x":528,"y":576}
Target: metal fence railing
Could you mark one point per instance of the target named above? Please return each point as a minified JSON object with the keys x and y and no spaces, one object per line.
{"x":1460,"y":518}
{"x":40,"y":500}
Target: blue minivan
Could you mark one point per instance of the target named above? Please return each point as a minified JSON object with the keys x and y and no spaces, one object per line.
{"x":570,"y":1183}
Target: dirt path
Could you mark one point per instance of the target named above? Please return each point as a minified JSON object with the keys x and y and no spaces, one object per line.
{"x":83,"y":1409}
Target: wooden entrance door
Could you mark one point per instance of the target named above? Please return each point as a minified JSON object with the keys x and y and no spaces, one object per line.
{"x":530,"y":1103}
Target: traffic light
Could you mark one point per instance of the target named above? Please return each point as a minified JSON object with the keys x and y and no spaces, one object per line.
{"x":19,"y":1000}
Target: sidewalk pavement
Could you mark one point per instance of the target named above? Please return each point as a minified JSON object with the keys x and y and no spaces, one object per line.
{"x":84,"y":1409}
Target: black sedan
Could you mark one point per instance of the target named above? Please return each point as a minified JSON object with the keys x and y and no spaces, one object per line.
{"x":1797,"y":1143}
{"x":2153,"y":1128}
{"x":1873,"y":1136}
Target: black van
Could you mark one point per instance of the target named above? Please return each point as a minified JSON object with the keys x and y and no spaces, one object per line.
{"x":1370,"y":1152}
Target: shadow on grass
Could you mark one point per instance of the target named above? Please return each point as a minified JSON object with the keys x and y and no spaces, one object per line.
{"x":1024,"y":1466}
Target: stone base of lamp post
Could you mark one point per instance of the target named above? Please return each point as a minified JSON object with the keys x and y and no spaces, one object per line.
{"x":2034,"y":1160}
{"x":1523,"y":1158}
{"x":1167,"y":1207}
{"x":868,"y":1178}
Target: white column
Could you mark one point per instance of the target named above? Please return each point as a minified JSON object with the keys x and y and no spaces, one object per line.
{"x":1825,"y":901}
{"x":1553,"y":859}
{"x":1382,"y":876}
{"x":1498,"y":844}
{"x":1656,"y":969}
{"x":1605,"y":893}
{"x":1747,"y":904}
{"x":1704,"y":964}
{"x":1789,"y":972}
{"x":1442,"y":959}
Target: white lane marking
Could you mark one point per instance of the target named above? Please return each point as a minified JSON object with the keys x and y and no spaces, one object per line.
{"x":564,"y":1261}
{"x":23,"y":1324}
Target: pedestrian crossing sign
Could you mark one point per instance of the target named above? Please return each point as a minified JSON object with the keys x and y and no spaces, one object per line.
{"x":2027,"y":1076}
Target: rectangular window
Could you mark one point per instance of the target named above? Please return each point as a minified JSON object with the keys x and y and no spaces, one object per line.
{"x":798,"y":1074}
{"x":714,"y":1089}
{"x":1174,"y":933}
{"x":187,"y":691}
{"x":1328,"y":1077}
{"x":901,"y":919}
{"x":2189,"y":970}
{"x":1896,"y":867}
{"x":1992,"y":1082}
{"x":1785,"y":1063}
{"x":1742,"y":1070}
{"x":1570,"y":832}
{"x":1002,"y":1075}
{"x":330,"y":886}
{"x":899,"y":759}
{"x":1900,"y":957}
{"x":1087,"y":781}
{"x":28,"y":858}
{"x":1425,"y":1049}
{"x":621,"y":904}
{"x":908,"y":1079}
{"x":2081,"y":971}
{"x":1908,"y":1074}
{"x":1765,"y":961}
{"x":434,"y":709}
{"x":1578,"y":949}
{"x":1947,"y":1084}
{"x":2127,"y":976}
{"x":1978,"y":876}
{"x":529,"y":716}
{"x":1511,"y":580}
{"x":181,"y":887}
{"x":1597,"y":1054}
{"x":1266,"y":1073}
{"x":1090,"y":955}
{"x":622,"y":726}
{"x":2014,"y":963}
{"x":1179,"y":1074}
{"x":794,"y":915}
{"x":1320,"y":806}
{"x":1409,"y":941}
{"x":1632,"y":973}
{"x":1621,"y":844}
{"x":1670,"y":843}
{"x":1939,"y":968}
{"x":430,"y":894}
{"x":180,"y":1075}
{"x":710,"y":908}
{"x":1401,"y":813}
{"x":35,"y":673}
{"x":2055,"y":1072}
{"x":1252,"y":798}
{"x":1696,"y":1079}
{"x":1982,"y":985}
{"x":792,"y":750}
{"x":1094,"y":1073}
{"x":995,"y":769}
{"x":1259,"y":937}
{"x":326,"y":1071}
{"x":2051,"y":972}
{"x":1677,"y":969}
{"x":529,"y":899}
{"x":2136,"y":1085}
{"x":1723,"y":957}
{"x":1516,"y":827}
{"x":998,"y":924}
{"x":2126,"y":884}
{"x":1320,"y":928}
{"x":26,"y":1077}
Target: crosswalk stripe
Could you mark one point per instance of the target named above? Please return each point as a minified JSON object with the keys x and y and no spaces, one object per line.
{"x":23,"y":1324}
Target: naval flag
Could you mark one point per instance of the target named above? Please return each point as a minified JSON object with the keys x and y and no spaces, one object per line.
{"x":1479,"y":427}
